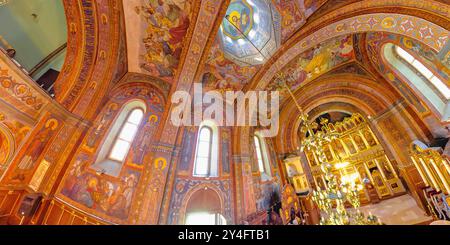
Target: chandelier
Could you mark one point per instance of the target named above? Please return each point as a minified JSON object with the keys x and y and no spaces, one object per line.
{"x":331,"y":200}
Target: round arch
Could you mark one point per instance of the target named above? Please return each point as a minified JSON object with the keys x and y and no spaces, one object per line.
{"x":192,"y":193}
{"x":369,"y":96}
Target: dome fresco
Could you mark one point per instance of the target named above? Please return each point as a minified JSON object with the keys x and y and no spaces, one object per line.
{"x":250,"y":26}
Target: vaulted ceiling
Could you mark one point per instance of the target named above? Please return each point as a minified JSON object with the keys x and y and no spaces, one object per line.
{"x":315,"y":39}
{"x":157,"y":31}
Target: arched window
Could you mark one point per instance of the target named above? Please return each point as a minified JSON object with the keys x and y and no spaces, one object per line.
{"x":126,"y":136}
{"x":205,"y":164}
{"x":420,"y":78}
{"x":262,"y":156}
{"x":117,"y":144}
{"x":429,"y":75}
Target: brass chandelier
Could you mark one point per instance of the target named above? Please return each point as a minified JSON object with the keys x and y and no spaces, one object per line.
{"x":331,"y":201}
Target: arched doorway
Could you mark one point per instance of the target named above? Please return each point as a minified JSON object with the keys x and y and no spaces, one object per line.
{"x":204,"y":208}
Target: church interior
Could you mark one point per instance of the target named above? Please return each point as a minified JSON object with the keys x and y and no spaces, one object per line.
{"x":86,"y":136}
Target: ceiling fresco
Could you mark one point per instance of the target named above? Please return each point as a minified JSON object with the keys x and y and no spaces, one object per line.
{"x":295,"y":13}
{"x":315,"y":62}
{"x":224,"y":75}
{"x":220,"y":72}
{"x":161,"y":27}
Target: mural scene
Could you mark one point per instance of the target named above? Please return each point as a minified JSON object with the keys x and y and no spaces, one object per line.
{"x":98,"y":188}
{"x":167,"y":23}
{"x":314,"y":62}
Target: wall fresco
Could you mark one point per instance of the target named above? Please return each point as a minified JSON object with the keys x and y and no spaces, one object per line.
{"x":163,"y":27}
{"x":102,"y":194}
{"x":224,"y":75}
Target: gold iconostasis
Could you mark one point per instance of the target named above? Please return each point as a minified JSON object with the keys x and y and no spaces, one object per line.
{"x":358,"y":157}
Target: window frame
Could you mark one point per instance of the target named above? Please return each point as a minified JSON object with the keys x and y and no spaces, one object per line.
{"x":119,"y":132}
{"x":421,"y":74}
{"x":265,"y":155}
{"x":416,"y":83}
{"x":209,"y":162}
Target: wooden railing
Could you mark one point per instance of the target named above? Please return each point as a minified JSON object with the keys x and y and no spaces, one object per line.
{"x":59,"y":213}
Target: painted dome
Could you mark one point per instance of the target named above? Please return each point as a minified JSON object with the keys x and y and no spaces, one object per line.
{"x":249,"y":26}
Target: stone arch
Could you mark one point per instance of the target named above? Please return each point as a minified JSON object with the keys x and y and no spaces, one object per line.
{"x":91,"y":54}
{"x":195,"y":190}
{"x":369,"y":96}
{"x":334,"y":107}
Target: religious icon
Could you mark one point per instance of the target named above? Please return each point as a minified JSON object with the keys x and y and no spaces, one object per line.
{"x":386,"y":169}
{"x":328,"y":154}
{"x":379,"y":183}
{"x":350,"y":145}
{"x":39,"y":144}
{"x":160,"y":163}
{"x":144,"y":140}
{"x":369,"y":138}
{"x":359,"y":142}
{"x":105,"y":119}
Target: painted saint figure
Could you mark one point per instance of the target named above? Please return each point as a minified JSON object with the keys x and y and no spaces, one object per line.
{"x":143,"y":143}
